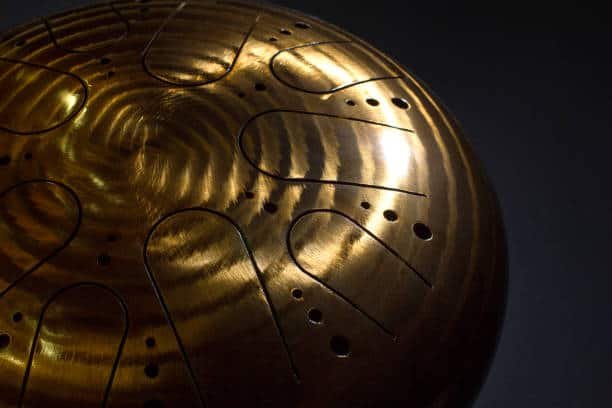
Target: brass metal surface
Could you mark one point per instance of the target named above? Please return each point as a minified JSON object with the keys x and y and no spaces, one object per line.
{"x":226,"y":204}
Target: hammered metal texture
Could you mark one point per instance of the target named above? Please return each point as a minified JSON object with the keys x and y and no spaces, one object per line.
{"x":226,"y":204}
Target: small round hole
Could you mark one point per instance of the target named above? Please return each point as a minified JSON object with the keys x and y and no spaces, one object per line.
{"x":20,"y":43}
{"x":390,"y":215}
{"x":422,"y":231}
{"x":340,"y":346}
{"x":105,"y":61}
{"x":297,"y":293}
{"x":5,"y":340}
{"x":365,"y":205}
{"x":154,"y":403}
{"x":273,"y":39}
{"x":350,"y":102}
{"x":150,"y":342}
{"x":4,"y":160}
{"x":104,"y":259}
{"x":315,"y":316}
{"x":241,"y":95}
{"x":151,"y":370}
{"x":372,"y":102}
{"x":400,"y":103}
{"x":112,"y":237}
{"x":260,"y":87}
{"x":27,"y":156}
{"x":285,"y":31}
{"x":249,"y":194}
{"x":144,"y":10}
{"x":17,"y":317}
{"x":110,"y":74}
{"x":270,"y":207}
{"x":302,"y":25}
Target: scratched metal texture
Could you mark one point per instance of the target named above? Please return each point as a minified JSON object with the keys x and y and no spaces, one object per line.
{"x":219,"y":204}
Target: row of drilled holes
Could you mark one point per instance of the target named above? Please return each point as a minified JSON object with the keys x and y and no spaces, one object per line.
{"x":401,"y":103}
{"x":5,"y":339}
{"x":421,"y":230}
{"x":398,"y":102}
{"x":300,"y":24}
{"x":6,"y":159}
{"x":339,"y":345}
{"x":151,"y":370}
{"x":104,"y":259}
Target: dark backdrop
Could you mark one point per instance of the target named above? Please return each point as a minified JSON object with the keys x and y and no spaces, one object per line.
{"x":530,"y":85}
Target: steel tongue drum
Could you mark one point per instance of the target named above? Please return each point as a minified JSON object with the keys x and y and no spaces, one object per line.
{"x":229,"y":204}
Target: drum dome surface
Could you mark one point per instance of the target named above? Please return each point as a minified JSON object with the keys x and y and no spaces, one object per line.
{"x":219,"y":204}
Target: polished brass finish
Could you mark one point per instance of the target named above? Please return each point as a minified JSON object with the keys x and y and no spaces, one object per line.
{"x":223,"y":204}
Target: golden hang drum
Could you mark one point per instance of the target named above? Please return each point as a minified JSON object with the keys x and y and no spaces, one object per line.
{"x":228,"y":204}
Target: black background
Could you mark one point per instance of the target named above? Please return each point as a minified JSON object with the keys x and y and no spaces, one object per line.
{"x":530,"y":84}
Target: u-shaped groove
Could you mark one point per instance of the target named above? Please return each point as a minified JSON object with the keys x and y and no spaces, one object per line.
{"x":68,"y":118}
{"x":68,"y":240}
{"x":336,"y":292}
{"x":243,"y":129}
{"x":332,"y":90}
{"x":261,"y":281}
{"x":56,"y":295}
{"x":155,"y":36}
{"x":89,"y":52}
{"x":367,"y":231}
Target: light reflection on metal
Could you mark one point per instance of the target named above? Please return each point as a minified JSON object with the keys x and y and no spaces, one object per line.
{"x":70,"y":101}
{"x":219,"y":204}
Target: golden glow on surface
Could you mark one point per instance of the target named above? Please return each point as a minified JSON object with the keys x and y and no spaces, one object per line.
{"x":397,"y":155}
{"x":70,"y":101}
{"x":182,"y":190}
